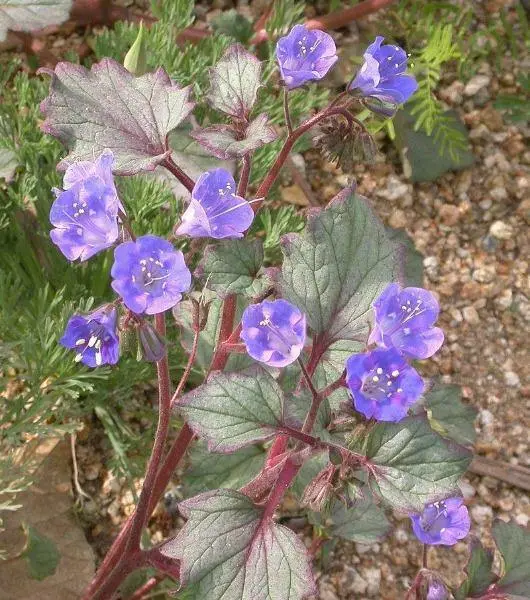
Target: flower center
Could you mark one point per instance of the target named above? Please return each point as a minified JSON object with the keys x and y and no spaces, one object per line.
{"x":381,"y":385}
{"x":279,"y":340}
{"x":435,"y":518}
{"x":152,"y":270}
{"x":98,"y":336}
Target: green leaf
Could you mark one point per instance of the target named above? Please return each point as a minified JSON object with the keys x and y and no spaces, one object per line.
{"x":478,"y":571}
{"x":513,"y":543}
{"x":412,"y":465}
{"x":364,"y":522}
{"x":234,"y":82}
{"x":412,"y":259}
{"x":224,"y":142}
{"x":209,"y":471}
{"x":228,"y":551}
{"x":107,"y":107}
{"x":40,"y":553}
{"x":233,"y":410}
{"x":449,"y":416}
{"x":233,"y":24}
{"x":231,"y":266}
{"x":8,"y":164}
{"x":424,"y":159}
{"x":30,"y":15}
{"x":338,"y":266}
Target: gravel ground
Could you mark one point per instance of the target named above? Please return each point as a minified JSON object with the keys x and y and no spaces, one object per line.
{"x":472,"y":228}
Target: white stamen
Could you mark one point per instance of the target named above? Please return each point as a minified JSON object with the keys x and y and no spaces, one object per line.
{"x":80,"y":342}
{"x":395,"y":373}
{"x":379,"y":371}
{"x":78,"y":357}
{"x":98,"y":358}
{"x":92,"y":341}
{"x":375,"y":378}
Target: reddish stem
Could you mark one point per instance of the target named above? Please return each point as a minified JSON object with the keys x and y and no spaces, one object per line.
{"x":124,"y":567}
{"x":271,"y":176}
{"x":244,"y":176}
{"x":147,"y":587}
{"x":164,"y":414}
{"x":279,"y":446}
{"x":187,"y":370}
{"x":227,"y":322}
{"x":286,"y":476}
{"x":173,"y":168}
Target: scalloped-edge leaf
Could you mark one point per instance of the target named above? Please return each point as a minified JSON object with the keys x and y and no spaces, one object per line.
{"x":107,"y":107}
{"x":338,"y":266}
{"x":228,"y":551}
{"x":449,"y":416}
{"x":364,"y":522}
{"x":224,"y":142}
{"x":513,"y":543}
{"x":412,"y":465}
{"x":478,"y":571}
{"x":209,"y":471}
{"x":31,"y":15}
{"x":233,"y":410}
{"x":231,"y":266}
{"x":234,"y":82}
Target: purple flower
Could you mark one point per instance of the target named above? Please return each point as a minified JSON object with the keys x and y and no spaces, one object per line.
{"x":382,"y":74}
{"x":149,"y":274}
{"x":94,"y":337}
{"x":437,"y":591}
{"x":273,"y":332}
{"x":85,"y":214}
{"x":305,"y":55}
{"x":383,"y":384}
{"x":442,"y":523}
{"x":215,"y":210}
{"x":404,"y":319}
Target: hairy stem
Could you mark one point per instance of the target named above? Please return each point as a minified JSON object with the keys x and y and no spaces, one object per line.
{"x":120,"y":572}
{"x":286,"y":112}
{"x":220,"y":355}
{"x":187,"y":370}
{"x":173,"y":168}
{"x":164,"y":413}
{"x":272,"y":175}
{"x":149,"y":585}
{"x":244,"y":176}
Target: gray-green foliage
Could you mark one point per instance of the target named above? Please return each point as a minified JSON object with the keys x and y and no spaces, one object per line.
{"x":39,"y":289}
{"x":189,"y":64}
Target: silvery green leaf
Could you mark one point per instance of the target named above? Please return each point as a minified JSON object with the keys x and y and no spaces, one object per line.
{"x":230,"y":266}
{"x":364,"y":522}
{"x":234,"y":82}
{"x":224,"y":142}
{"x":209,"y":471}
{"x":229,"y":551}
{"x":106,"y":107}
{"x":31,"y":15}
{"x":233,"y":410}
{"x":449,"y":415}
{"x":412,"y":465}
{"x":338,"y":266}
